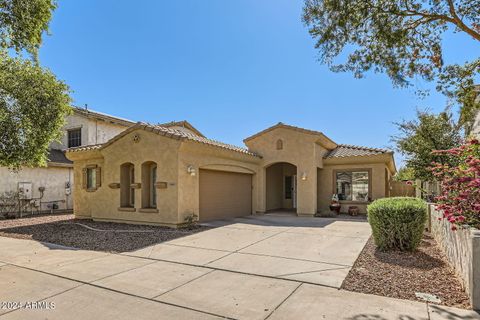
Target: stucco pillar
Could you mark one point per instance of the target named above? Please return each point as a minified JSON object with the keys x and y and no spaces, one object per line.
{"x":306,"y":190}
{"x":259,"y":192}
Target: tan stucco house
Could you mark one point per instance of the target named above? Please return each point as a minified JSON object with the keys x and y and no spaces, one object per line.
{"x":161,"y":174}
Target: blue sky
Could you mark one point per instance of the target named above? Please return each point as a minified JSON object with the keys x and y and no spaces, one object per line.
{"x":231,"y":68}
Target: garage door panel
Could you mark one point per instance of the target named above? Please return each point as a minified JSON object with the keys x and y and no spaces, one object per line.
{"x":224,"y":194}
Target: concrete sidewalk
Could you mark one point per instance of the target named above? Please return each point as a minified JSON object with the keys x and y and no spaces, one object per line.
{"x":245,"y":269}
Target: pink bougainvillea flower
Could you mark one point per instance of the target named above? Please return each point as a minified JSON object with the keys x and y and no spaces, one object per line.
{"x":460,"y":184}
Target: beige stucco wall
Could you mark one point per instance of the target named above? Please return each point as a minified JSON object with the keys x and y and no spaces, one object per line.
{"x":202,"y":156}
{"x":326,"y":187}
{"x":104,"y":203}
{"x":179,"y":199}
{"x":182,"y":195}
{"x":53,"y":179}
{"x":300,"y":149}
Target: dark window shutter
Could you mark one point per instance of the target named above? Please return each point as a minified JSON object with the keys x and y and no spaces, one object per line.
{"x":98,"y":177}
{"x":84,"y":178}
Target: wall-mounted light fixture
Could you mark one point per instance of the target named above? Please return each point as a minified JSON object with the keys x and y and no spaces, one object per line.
{"x":304,"y":176}
{"x":191,"y":170}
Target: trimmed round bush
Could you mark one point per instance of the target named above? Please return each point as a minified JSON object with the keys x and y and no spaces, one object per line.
{"x":397,"y":223}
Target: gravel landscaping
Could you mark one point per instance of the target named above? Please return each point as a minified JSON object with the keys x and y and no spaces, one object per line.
{"x":401,"y":274}
{"x":90,"y":235}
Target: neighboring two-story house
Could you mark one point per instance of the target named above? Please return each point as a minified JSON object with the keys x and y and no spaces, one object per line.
{"x":52,"y":186}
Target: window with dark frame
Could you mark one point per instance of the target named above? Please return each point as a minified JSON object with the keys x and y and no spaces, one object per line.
{"x":74,"y":137}
{"x":353,"y":185}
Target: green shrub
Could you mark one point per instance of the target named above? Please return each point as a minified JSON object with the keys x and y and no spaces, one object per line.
{"x":397,"y":223}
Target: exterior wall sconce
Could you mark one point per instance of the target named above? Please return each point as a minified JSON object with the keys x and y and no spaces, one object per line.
{"x":191,"y":170}
{"x":304,"y":176}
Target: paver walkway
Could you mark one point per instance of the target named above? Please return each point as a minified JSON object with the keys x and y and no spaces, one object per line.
{"x":275,"y":267}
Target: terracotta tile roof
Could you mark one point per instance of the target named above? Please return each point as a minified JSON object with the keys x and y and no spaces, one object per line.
{"x":345,"y":150}
{"x":170,"y":133}
{"x":85,"y":148}
{"x":182,"y":135}
{"x":330,"y":143}
{"x":184,"y":124}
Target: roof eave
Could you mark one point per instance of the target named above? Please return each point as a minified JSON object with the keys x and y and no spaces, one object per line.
{"x":59,"y":164}
{"x":327,"y":142}
{"x":386,"y":158}
{"x":185,"y":124}
{"x":103,"y":117}
{"x":381,"y":156}
{"x":150,"y":128}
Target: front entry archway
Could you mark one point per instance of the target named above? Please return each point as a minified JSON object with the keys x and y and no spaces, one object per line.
{"x":281,"y":187}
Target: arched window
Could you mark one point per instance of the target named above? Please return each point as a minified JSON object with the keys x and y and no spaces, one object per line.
{"x":149,"y":192}
{"x":127,"y":178}
{"x":279,"y":144}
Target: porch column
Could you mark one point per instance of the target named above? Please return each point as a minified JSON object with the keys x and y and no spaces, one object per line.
{"x":259,"y":192}
{"x":306,"y":190}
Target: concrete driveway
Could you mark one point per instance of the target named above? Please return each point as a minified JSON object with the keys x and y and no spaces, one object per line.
{"x":317,"y":251}
{"x":275,"y":267}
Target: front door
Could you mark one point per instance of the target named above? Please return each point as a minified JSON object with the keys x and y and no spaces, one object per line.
{"x":291,"y":191}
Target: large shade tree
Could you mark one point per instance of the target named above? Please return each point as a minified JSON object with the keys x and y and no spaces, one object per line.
{"x":417,"y":139}
{"x":33,"y":103}
{"x":402,"y":38}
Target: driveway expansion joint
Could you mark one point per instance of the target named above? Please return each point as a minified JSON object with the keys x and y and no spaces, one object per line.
{"x":306,"y":272}
{"x":193,"y":247}
{"x":295,"y":259}
{"x":81,"y":283}
{"x":278,"y":306}
{"x":251,"y":244}
{"x":183,"y":284}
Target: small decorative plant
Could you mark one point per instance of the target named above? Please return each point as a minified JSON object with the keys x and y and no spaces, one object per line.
{"x":335,"y":204}
{"x":191,"y":220}
{"x":397,"y":223}
{"x":460,"y":196}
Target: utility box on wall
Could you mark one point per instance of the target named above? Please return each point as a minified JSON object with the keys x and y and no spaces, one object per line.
{"x":25,"y":190}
